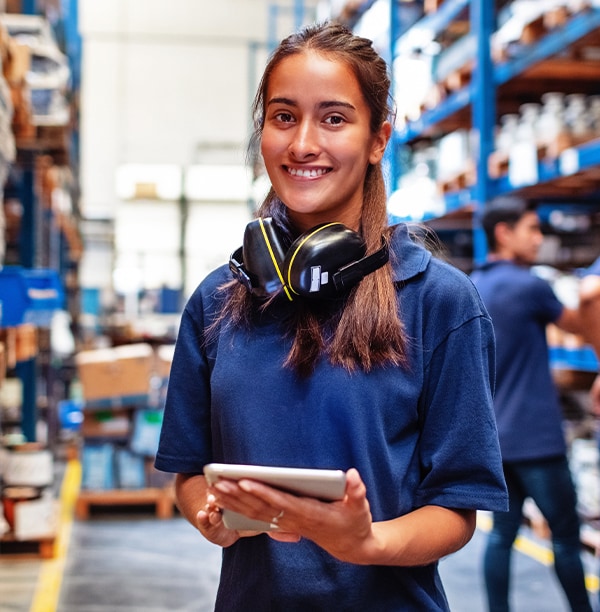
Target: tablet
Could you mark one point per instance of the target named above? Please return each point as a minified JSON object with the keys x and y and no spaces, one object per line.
{"x":326,"y":485}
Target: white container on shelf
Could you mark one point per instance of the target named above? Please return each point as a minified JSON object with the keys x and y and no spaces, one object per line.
{"x":33,"y":468}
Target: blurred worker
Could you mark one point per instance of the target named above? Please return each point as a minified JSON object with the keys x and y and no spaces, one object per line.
{"x":528,"y":411}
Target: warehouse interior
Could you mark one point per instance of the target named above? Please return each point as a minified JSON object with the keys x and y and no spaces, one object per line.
{"x":127,"y":178}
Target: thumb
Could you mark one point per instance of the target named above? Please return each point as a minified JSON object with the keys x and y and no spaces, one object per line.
{"x":355,"y":487}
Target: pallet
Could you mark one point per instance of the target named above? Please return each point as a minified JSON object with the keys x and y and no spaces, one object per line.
{"x":161,"y":498}
{"x":42,"y":548}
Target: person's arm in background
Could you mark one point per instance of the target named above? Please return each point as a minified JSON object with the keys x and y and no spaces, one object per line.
{"x":585,"y":321}
{"x":589,"y":310}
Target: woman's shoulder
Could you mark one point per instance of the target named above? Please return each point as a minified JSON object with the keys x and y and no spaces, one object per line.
{"x":414,"y":259}
{"x":427,"y":283}
{"x":208,"y":291}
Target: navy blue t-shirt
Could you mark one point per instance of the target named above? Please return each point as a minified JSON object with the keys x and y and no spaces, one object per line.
{"x":418,"y":435}
{"x":526,"y":401}
{"x":593,"y":269}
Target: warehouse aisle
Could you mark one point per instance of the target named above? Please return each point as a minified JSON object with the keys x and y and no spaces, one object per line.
{"x":126,"y":560}
{"x":140,"y":564}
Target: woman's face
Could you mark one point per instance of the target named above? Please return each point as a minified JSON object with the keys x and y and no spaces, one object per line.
{"x":316,"y":140}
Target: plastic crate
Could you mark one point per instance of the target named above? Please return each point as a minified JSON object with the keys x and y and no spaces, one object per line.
{"x":29,"y":295}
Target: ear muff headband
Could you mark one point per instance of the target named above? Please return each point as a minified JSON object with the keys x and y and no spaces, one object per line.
{"x":325,"y":262}
{"x":273,"y":258}
{"x":290,"y":265}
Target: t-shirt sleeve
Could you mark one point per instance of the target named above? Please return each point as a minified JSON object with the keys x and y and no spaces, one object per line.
{"x":184,"y":444}
{"x":543,"y":300}
{"x":593,"y":269}
{"x":460,"y":454}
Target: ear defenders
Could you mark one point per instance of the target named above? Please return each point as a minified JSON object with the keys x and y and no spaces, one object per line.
{"x":324,"y":262}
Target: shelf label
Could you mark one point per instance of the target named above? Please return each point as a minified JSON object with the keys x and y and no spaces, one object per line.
{"x":523,"y":164}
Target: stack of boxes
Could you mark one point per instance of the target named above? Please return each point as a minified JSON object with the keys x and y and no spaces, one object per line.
{"x":123,"y":390}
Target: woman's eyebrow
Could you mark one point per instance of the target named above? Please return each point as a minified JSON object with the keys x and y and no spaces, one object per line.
{"x":333,"y":103}
{"x":324,"y":104}
{"x":286,"y":101}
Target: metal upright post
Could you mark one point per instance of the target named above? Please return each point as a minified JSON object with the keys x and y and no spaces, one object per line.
{"x":392,"y":152}
{"x":483,"y":114}
{"x":27,"y":370}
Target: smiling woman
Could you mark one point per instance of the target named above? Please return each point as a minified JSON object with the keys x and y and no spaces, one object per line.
{"x":316,"y":139}
{"x":385,"y":376}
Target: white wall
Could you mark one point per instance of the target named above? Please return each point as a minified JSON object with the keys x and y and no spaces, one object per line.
{"x":170,"y":83}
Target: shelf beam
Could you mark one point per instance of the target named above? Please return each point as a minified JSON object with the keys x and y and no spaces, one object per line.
{"x":530,"y":57}
{"x":553,"y":43}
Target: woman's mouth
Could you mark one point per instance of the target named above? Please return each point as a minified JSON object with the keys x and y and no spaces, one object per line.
{"x":307,"y":172}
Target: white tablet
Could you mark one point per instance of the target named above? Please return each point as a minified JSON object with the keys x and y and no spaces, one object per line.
{"x":326,"y":485}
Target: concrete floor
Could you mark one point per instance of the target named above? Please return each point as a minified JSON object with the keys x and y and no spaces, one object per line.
{"x":118,"y":562}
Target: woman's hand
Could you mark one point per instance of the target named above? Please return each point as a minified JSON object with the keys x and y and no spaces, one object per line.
{"x":200,"y":508}
{"x":343,"y":528}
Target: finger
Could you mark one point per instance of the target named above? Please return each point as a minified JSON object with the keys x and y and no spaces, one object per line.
{"x":284,"y":536}
{"x":248,"y":497}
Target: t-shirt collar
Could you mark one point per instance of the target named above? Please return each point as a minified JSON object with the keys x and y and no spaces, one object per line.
{"x":409,"y":258}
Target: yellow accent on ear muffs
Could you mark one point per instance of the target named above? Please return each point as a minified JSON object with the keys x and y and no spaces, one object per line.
{"x":295,"y":249}
{"x":324,"y":262}
{"x":274,"y":258}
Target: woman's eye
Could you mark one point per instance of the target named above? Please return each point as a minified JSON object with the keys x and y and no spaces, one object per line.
{"x":284,"y":117}
{"x":335,"y":120}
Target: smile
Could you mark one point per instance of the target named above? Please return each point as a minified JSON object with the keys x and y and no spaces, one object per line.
{"x":307,"y":173}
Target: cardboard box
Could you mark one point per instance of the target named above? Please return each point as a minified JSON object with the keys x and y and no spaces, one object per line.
{"x":106,"y":424}
{"x":36,"y":519}
{"x":164,"y":359}
{"x":115,"y":372}
{"x":18,"y":62}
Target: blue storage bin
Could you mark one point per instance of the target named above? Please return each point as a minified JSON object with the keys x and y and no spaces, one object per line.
{"x":70,"y":414}
{"x":29,"y":295}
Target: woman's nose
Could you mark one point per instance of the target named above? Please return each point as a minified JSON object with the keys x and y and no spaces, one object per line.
{"x":305,"y":141}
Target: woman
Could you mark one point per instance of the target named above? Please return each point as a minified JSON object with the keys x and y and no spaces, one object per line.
{"x":387,"y":378}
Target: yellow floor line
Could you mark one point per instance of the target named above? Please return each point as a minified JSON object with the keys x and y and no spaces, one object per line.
{"x":47,"y":592}
{"x":540,"y":553}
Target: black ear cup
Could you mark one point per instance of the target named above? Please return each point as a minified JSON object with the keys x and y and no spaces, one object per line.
{"x":257,"y":264}
{"x":314,"y":258}
{"x":324,"y":262}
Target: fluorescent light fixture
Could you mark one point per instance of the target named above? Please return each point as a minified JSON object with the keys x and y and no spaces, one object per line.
{"x":220,"y":183}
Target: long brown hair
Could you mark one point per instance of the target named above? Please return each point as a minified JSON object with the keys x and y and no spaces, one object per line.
{"x":364,"y":330}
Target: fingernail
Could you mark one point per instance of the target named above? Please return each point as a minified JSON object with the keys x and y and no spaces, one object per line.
{"x":224,"y":486}
{"x":245,"y":486}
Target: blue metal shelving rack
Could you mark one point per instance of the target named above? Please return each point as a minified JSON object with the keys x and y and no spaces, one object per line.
{"x":21,"y":288}
{"x":480,"y":95}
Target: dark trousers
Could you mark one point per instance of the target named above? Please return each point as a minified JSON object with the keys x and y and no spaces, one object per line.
{"x":548,"y":482}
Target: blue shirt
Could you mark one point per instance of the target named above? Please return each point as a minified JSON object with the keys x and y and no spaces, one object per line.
{"x":526,"y":401}
{"x":593,"y":269}
{"x":419,"y":435}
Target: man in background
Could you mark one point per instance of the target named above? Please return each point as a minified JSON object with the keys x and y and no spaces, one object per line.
{"x":526,"y":402}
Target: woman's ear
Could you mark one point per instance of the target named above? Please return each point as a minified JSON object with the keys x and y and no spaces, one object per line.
{"x":380,"y":141}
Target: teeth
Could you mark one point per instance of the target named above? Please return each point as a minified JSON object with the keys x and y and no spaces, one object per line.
{"x":307,"y":173}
